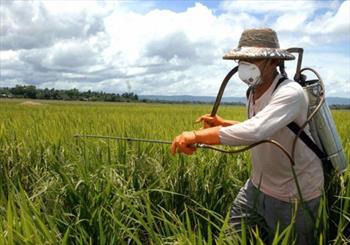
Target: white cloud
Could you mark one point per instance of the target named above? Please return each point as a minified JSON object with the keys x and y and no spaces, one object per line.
{"x":31,"y":24}
{"x":275,"y":7}
{"x":334,"y":70}
{"x":107,"y":45}
{"x":263,"y":7}
{"x":290,"y":22}
{"x":332,"y":24}
{"x":298,"y":22}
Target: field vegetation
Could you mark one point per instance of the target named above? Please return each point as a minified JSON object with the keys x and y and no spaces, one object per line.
{"x":57,"y":189}
{"x":32,"y":92}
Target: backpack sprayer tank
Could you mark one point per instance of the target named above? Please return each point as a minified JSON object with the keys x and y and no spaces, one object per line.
{"x":320,"y":118}
{"x":321,"y":124}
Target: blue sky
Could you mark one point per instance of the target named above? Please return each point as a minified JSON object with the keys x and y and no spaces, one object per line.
{"x":163,"y":47}
{"x":183,"y":5}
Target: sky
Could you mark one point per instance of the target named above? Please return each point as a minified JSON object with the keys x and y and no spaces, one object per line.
{"x":163,"y":47}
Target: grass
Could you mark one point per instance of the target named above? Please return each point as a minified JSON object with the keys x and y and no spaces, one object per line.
{"x":55,"y":189}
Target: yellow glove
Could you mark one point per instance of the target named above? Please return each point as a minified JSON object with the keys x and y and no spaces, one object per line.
{"x":184,"y":143}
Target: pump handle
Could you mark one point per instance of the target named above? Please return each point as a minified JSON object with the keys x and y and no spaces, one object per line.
{"x":297,"y":77}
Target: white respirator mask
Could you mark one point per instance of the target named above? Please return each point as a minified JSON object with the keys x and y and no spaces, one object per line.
{"x":249,"y":73}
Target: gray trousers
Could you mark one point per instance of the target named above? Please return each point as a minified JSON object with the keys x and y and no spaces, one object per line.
{"x":253,"y":207}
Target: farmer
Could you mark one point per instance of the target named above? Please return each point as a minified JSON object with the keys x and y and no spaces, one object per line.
{"x":270,"y":194}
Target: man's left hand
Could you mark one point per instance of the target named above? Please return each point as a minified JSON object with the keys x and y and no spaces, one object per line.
{"x":184,"y":143}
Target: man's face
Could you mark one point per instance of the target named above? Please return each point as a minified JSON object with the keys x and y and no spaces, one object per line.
{"x":260,"y":63}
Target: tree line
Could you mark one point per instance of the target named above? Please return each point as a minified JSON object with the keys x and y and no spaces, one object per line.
{"x":31,"y":92}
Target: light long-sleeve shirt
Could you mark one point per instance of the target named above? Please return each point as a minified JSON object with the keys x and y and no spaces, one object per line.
{"x":268,"y":117}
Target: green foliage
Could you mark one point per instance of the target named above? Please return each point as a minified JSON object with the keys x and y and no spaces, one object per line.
{"x":31,"y":92}
{"x":56,"y":189}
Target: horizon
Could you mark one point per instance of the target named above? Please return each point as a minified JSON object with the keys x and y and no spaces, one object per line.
{"x":155,"y":95}
{"x":163,"y":48}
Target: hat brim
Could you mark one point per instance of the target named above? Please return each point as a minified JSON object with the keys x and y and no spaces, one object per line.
{"x":258,"y":53}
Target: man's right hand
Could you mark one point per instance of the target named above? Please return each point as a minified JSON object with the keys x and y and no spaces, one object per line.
{"x":209,"y":121}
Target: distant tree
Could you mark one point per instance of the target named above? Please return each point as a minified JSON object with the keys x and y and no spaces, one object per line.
{"x":17,"y":91}
{"x":30,"y":91}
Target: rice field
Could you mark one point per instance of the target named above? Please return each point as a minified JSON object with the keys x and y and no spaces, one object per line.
{"x":57,"y":189}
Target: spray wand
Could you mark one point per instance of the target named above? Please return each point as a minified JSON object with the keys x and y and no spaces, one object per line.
{"x":203,"y":146}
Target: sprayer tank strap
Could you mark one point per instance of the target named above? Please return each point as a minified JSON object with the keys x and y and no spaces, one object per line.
{"x":303,"y":136}
{"x":307,"y":140}
{"x":295,"y":127}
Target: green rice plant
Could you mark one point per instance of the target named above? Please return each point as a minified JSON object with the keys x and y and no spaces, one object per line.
{"x":56,"y":189}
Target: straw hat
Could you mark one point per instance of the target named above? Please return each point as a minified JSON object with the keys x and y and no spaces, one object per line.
{"x":258,"y":44}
